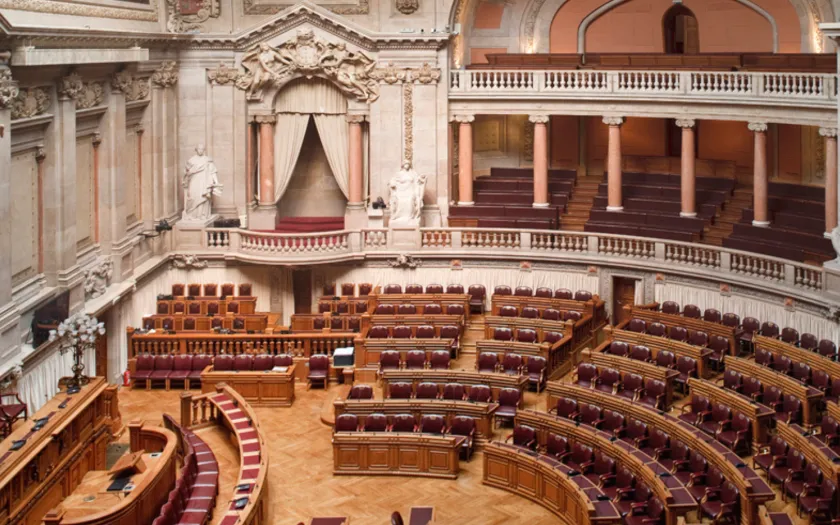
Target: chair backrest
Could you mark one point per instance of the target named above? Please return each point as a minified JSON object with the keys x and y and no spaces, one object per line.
{"x":566,"y":407}
{"x":820,"y":379}
{"x":480,"y":393}
{"x":524,"y":435}
{"x":233,"y":307}
{"x":619,"y":348}
{"x":543,"y":292}
{"x":536,"y":365}
{"x":201,"y":361}
{"x":477,"y":291}
{"x":512,"y":362}
{"x":454,"y":391}
{"x":403,"y":423}
{"x":731,"y":380}
{"x":687,"y":365}
{"x":509,"y":311}
{"x":462,"y":426}
{"x":658,"y":329}
{"x":178,"y":290}
{"x":750,"y":325}
{"x":583,"y":295}
{"x":665,"y":358}
{"x":328,"y":289}
{"x":751,"y":386}
{"x":406,"y":309}
{"x":636,"y":429}
{"x":637,"y":325}
{"x":164,"y":362}
{"x":712,"y":316}
{"x":223,"y":363}
{"x":678,"y":333}
{"x":808,"y":341}
{"x":365,"y":289}
{"x":632,"y":382}
{"x":801,"y":372}
{"x":284,"y":360}
{"x":502,"y":290}
{"x":346,"y":423}
{"x":415,"y":359}
{"x":609,"y":376}
{"x":550,"y":314}
{"x":827,"y":348}
{"x":556,"y":445}
{"x":434,"y":288}
{"x":426,"y":390}
{"x":455,"y":288}
{"x":589,"y":413}
{"x":552,"y":337}
{"x":376,"y":422}
{"x":245,"y":290}
{"x":385,"y":309}
{"x":263,"y":362}
{"x":449,"y":332}
{"x":502,"y":333}
{"x":572,"y":315}
{"x":523,"y":291}
{"x":378,"y":332}
{"x":790,"y":335}
{"x":414,"y":288}
{"x":692,"y":311}
{"x":699,"y":338}
{"x":563,"y":293}
{"x":612,"y":420}
{"x":439,"y":360}
{"x":509,"y":397}
{"x":360,"y":392}
{"x":145,"y":362}
{"x":319,"y":362}
{"x":487,"y":362}
{"x":194,"y":290}
{"x":526,"y":335}
{"x":772,"y":395}
{"x":670,"y":307}
{"x":399,"y":390}
{"x":586,"y":372}
{"x":721,"y":412}
{"x":402,"y":332}
{"x":640,"y":353}
{"x":432,"y":423}
{"x":432,"y":309}
{"x":769,"y":329}
{"x":455,"y":309}
{"x":658,"y":439}
{"x":719,"y":344}
{"x":393,"y":288}
{"x":731,"y":320}
{"x":529,"y":312}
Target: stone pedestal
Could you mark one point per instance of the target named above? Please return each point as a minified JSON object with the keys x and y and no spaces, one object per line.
{"x":355,"y":216}
{"x":832,"y":279}
{"x":189,"y":234}
{"x":404,"y":237}
{"x":375,"y":218}
{"x":263,"y":217}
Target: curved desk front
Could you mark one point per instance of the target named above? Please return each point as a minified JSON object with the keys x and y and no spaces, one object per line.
{"x":396,"y":454}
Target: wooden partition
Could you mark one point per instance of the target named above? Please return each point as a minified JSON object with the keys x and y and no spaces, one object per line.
{"x":369,"y":350}
{"x":761,"y":416}
{"x":269,"y":389}
{"x":809,"y":396}
{"x":559,"y":355}
{"x":798,"y":355}
{"x":594,"y":307}
{"x":692,"y":325}
{"x":436,"y":320}
{"x":483,"y":413}
{"x":230,"y":410}
{"x":465,"y":377}
{"x":91,"y":503}
{"x":54,"y":459}
{"x":396,"y":454}
{"x":625,"y":365}
{"x":814,"y":449}
{"x":575,"y":500}
{"x":657,"y":344}
{"x":298,"y":345}
{"x":677,"y":499}
{"x":753,"y":490}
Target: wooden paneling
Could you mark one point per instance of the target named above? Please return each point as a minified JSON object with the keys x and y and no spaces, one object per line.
{"x":258,"y":388}
{"x":396,"y":453}
{"x":465,"y":377}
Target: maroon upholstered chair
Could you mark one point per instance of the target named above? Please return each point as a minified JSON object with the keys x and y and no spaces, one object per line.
{"x":640,"y":353}
{"x":590,"y":414}
{"x":477,"y":294}
{"x":586,"y":375}
{"x":665,"y":358}
{"x":769,"y":329}
{"x":719,"y":346}
{"x":768,"y":456}
{"x":502,"y":333}
{"x":608,"y":380}
{"x":328,"y":290}
{"x":178,"y":290}
{"x":432,"y":424}
{"x":346,"y":423}
{"x":678,"y":333}
{"x":455,"y":288}
{"x":502,"y":290}
{"x":360,"y":392}
{"x":735,"y":434}
{"x":324,"y":307}
{"x":692,"y":311}
{"x":685,"y":471}
{"x":529,"y":312}
{"x":637,"y":325}
{"x":702,"y":485}
{"x":144,"y":366}
{"x":657,"y":329}
{"x":509,"y":399}
{"x":583,"y":295}
{"x":820,"y":380}
{"x":426,"y":390}
{"x":619,"y":348}
{"x":524,"y":436}
{"x":623,"y":484}
{"x":211,"y":290}
{"x":403,"y":423}
{"x":550,"y":314}
{"x":413,"y":289}
{"x":509,"y":311}
{"x":808,"y":341}
{"x":722,"y":505}
{"x":790,"y":410}
{"x":635,"y":433}
{"x":393,"y":289}
{"x":365,"y":289}
{"x":454,"y":391}
{"x":245,"y":290}
{"x":687,"y":367}
{"x":552,"y":337}
{"x":818,"y":499}
{"x":342,"y":307}
{"x":163,"y":368}
{"x":283,"y":360}
{"x":401,"y":332}
{"x":716,"y":419}
{"x":434,"y":288}
{"x":828,"y":349}
{"x":406,"y":309}
{"x":699,"y":338}
{"x":378,"y":332}
{"x":523,"y":291}
{"x":752,"y":388}
{"x":653,"y":395}
{"x":348,"y":289}
{"x":535,"y":369}
{"x":487,"y":362}
{"x":168,"y":324}
{"x":731,"y":320}
{"x":657,"y":444}
{"x":199,"y":363}
{"x":181,"y":369}
{"x":12,"y":408}
{"x":454,"y":309}
{"x":794,"y":485}
{"x":601,"y":470}
{"x":749,"y":327}
{"x":694,"y":412}
{"x":790,"y":335}
{"x":223,"y":363}
{"x":375,"y":422}
{"x":567,"y":408}
{"x":792,"y":464}
{"x":632,"y":386}
{"x":572,"y":315}
{"x":319,"y":370}
{"x":233,"y":307}
{"x":415,"y":360}
{"x":480,"y":394}
{"x":385,"y":309}
{"x":439,"y":360}
{"x":432,"y":309}
{"x":543,"y":292}
{"x":512,"y":364}
{"x":801,"y":372}
{"x":399,"y":390}
{"x":563,"y":293}
{"x":670,"y":307}
{"x":712,"y":316}
{"x":243,"y":363}
{"x":632,"y":503}
{"x":464,"y":426}
{"x":194,"y":308}
{"x":194,"y":290}
{"x":782,"y":364}
{"x":336,"y":323}
{"x":526,"y":335}
{"x":676,"y":457}
{"x":612,"y":422}
{"x":732,"y":380}
{"x":212,"y":307}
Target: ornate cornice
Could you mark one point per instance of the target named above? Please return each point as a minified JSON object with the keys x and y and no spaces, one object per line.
{"x":30,"y":102}
{"x":166,"y":75}
{"x":8,"y":88}
{"x":64,"y":7}
{"x":828,"y":132}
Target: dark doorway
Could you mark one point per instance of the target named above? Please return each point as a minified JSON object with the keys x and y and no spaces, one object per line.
{"x":624,"y":294}
{"x":302,"y":286}
{"x":681,"y":34}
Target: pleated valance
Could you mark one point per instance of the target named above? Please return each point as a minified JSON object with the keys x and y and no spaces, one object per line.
{"x":310,"y":96}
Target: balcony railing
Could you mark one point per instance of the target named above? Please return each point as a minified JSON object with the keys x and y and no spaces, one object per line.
{"x":813,"y":89}
{"x":584,"y":248}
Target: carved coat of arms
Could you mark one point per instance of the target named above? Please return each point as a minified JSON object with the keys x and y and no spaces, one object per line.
{"x":407,"y":7}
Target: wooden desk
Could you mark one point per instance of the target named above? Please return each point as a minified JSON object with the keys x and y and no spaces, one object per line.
{"x":798,"y":355}
{"x":753,"y":489}
{"x":677,"y":499}
{"x":813,"y":448}
{"x":397,"y":454}
{"x":625,"y":365}
{"x":483,"y":413}
{"x":436,"y":320}
{"x":690,"y":324}
{"x":761,"y":416}
{"x":541,"y":326}
{"x":558,"y":356}
{"x":306,"y":322}
{"x":809,"y":396}
{"x":73,"y":441}
{"x":593,"y":307}
{"x":657,"y":344}
{"x":546,"y":482}
{"x":269,"y":389}
{"x":368,"y":350}
{"x":420,"y":300}
{"x":465,"y":377}
{"x":91,"y":503}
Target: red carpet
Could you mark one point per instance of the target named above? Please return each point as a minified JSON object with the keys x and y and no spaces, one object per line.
{"x":309,"y":224}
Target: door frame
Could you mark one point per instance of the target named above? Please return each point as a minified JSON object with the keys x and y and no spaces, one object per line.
{"x":614,"y":281}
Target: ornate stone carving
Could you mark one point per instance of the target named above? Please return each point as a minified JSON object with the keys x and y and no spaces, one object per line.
{"x":425,"y":74}
{"x":408,"y":123}
{"x":405,"y":260}
{"x":98,"y":277}
{"x":29,"y":103}
{"x":538,"y":119}
{"x":407,"y":7}
{"x":133,"y":88}
{"x":530,"y":23}
{"x":392,"y":74}
{"x":613,"y":121}
{"x":260,"y":7}
{"x":182,"y":262}
{"x":85,"y":95}
{"x":389,"y":74}
{"x":179,"y":21}
{"x":8,"y":88}
{"x":355,"y":119}
{"x":70,"y":86}
{"x":166,"y":75}
{"x":464,"y":119}
{"x":79,"y":9}
{"x":828,"y":132}
{"x":758,"y":127}
{"x":309,"y":56}
{"x":685,"y":122}
{"x":406,"y":198}
{"x":224,"y":75}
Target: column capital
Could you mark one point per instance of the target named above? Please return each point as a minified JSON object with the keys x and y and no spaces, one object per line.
{"x":685,"y":123}
{"x":538,"y":119}
{"x":166,"y":75}
{"x":757,"y":127}
{"x":8,"y":88}
{"x":40,"y":153}
{"x":828,"y":132}
{"x":265,"y":119}
{"x":356,"y":119}
{"x":613,"y":121}
{"x":96,"y":139}
{"x":464,"y":119}
{"x":70,"y":87}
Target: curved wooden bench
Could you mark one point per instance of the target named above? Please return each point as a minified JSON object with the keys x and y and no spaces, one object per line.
{"x":657,"y":344}
{"x":625,"y":365}
{"x":465,"y":377}
{"x":653,"y":316}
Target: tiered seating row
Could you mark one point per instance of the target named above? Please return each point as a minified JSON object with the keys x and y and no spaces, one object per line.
{"x":147,"y":369}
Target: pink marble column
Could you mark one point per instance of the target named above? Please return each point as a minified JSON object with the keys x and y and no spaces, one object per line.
{"x":540,"y":160}
{"x":356,"y":158}
{"x":614,"y":164}
{"x":266,"y":124}
{"x":760,"y":217}
{"x":687,"y":172}
{"x":250,"y":155}
{"x":465,"y":160}
{"x":830,"y":135}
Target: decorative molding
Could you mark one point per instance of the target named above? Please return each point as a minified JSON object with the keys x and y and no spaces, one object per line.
{"x":613,"y":121}
{"x":188,"y":262}
{"x":133,"y":88}
{"x":265,"y":119}
{"x":85,"y":95}
{"x":408,"y":122}
{"x":8,"y":89}
{"x":256,"y":7}
{"x":224,"y":75}
{"x":405,"y":260}
{"x":538,"y":119}
{"x":828,"y":132}
{"x":309,"y":56}
{"x":355,"y":119}
{"x":530,"y":24}
{"x":166,"y":75}
{"x":179,"y":22}
{"x":758,"y":127}
{"x":685,"y":122}
{"x":59,"y":7}
{"x":70,"y":87}
{"x":98,"y":277}
{"x":465,"y":119}
{"x":96,"y":139}
{"x":391,"y":74}
{"x":40,"y":153}
{"x":30,"y":102}
{"x":407,"y":7}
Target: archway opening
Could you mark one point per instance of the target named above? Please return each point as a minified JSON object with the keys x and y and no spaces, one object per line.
{"x":680,"y":31}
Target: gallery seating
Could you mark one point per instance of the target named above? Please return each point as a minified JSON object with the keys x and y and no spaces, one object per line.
{"x":11,"y":412}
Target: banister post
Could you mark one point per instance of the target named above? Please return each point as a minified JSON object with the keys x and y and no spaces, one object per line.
{"x":456,"y":239}
{"x":659,"y":251}
{"x":234,"y":240}
{"x":354,"y":239}
{"x":725,"y":262}
{"x":790,"y":275}
{"x":186,"y":409}
{"x":134,"y":440}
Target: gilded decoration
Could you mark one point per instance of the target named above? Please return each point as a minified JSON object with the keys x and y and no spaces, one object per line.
{"x":184,"y":19}
{"x":407,"y":7}
{"x":133,"y":88}
{"x":166,"y":75}
{"x":262,"y":7}
{"x":30,"y":102}
{"x":309,"y":56}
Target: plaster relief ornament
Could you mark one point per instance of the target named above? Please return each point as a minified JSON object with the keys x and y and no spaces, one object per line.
{"x":201,"y":183}
{"x":166,"y":75}
{"x":407,"y":7}
{"x":8,"y":88}
{"x":405,"y":260}
{"x":97,"y":278}
{"x":309,"y":56}
{"x":29,"y":103}
{"x":407,"y":188}
{"x":92,"y":95}
{"x":188,"y":15}
{"x":182,"y":262}
{"x":224,"y":75}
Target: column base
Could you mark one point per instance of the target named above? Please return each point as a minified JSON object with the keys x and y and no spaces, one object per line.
{"x":355,"y":216}
{"x":540,"y":205}
{"x":470,"y":203}
{"x":263,"y":217}
{"x":688,"y":214}
{"x":761,"y":224}
{"x":615,"y":208}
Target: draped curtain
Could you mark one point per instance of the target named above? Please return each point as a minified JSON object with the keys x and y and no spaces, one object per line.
{"x":39,"y":383}
{"x":290,"y":130}
{"x":335,"y":139}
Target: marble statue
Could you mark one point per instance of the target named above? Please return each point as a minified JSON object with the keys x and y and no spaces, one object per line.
{"x":835,"y":242}
{"x":407,"y":188}
{"x":200,"y":184}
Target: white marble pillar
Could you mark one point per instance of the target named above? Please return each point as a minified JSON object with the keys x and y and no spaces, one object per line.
{"x":830,"y":135}
{"x":760,"y":215}
{"x":465,"y":160}
{"x":540,"y":160}
{"x":614,"y":199}
{"x":687,"y":169}
{"x":8,"y":92}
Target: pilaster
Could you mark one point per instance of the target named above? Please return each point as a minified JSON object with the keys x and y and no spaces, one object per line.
{"x":8,"y":92}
